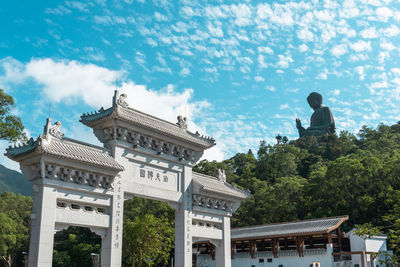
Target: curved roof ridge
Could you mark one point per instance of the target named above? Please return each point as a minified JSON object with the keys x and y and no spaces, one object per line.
{"x":346,"y":217}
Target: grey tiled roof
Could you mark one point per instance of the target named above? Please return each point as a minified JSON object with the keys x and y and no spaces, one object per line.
{"x":66,"y":148}
{"x":147,"y":121}
{"x":315,"y":226}
{"x":213,"y":185}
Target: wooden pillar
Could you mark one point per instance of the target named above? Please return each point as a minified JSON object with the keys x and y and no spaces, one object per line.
{"x":275,"y":245}
{"x":300,"y":245}
{"x":252,"y":248}
{"x":329,"y":238}
{"x":212,"y":250}
{"x":233,"y":247}
{"x":363,"y":260}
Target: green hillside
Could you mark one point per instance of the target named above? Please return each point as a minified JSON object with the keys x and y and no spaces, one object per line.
{"x":13,"y":181}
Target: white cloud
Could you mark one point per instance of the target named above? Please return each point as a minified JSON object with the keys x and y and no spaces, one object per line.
{"x":369,"y":33}
{"x":68,"y":81}
{"x":323,"y":75}
{"x":215,"y":12}
{"x":361,"y":46}
{"x":13,"y":71}
{"x":215,"y":30}
{"x":305,"y":35}
{"x":188,"y":12}
{"x":265,"y":49}
{"x":395,"y":71}
{"x":284,"y":61}
{"x":185,"y":72}
{"x":280,"y":15}
{"x":386,"y":45}
{"x":284,"y":106}
{"x":361,"y":72}
{"x":339,"y":50}
{"x":303,"y":48}
{"x":384,"y":13}
{"x":261,"y":62}
{"x":270,"y":88}
{"x":391,"y":31}
{"x":160,"y":17}
{"x":259,"y":79}
{"x":243,"y":14}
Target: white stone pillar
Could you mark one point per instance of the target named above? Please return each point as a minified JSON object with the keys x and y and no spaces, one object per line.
{"x":42,"y":226}
{"x":111,"y":243}
{"x":183,"y":222}
{"x":223,"y":251}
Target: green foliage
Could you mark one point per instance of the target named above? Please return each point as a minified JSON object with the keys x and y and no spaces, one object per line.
{"x":330,"y":176}
{"x":147,"y":238}
{"x":72,"y":247}
{"x":11,"y":127}
{"x":15,"y":212}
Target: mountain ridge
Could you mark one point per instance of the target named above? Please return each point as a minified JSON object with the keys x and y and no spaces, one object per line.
{"x":13,"y":181}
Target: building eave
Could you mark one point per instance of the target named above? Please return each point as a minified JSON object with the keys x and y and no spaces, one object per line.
{"x":141,"y":119}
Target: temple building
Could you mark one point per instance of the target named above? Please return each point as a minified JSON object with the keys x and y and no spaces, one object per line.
{"x":317,"y":242}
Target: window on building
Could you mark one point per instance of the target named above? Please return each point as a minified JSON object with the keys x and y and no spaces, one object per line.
{"x":261,"y":260}
{"x":269,"y":260}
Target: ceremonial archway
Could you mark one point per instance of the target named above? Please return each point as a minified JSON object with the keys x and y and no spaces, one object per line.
{"x":78,"y":184}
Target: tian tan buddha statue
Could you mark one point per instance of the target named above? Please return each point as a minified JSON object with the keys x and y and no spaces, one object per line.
{"x":322,"y":122}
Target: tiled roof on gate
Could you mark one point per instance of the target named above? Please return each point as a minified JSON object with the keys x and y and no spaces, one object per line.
{"x":54,"y":144}
{"x":136,"y":117}
{"x":314,"y":226}
{"x":214,"y":185}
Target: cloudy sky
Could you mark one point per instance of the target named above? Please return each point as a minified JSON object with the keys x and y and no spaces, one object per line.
{"x":239,"y":70}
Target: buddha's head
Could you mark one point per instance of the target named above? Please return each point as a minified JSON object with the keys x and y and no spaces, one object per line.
{"x":314,"y":100}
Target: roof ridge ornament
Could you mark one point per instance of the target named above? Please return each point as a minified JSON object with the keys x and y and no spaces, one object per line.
{"x":182,"y":122}
{"x":53,"y":130}
{"x":120,"y":99}
{"x":221,"y":175}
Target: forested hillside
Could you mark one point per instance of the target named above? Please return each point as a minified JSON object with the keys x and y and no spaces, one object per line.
{"x":308,"y":178}
{"x":13,"y":181}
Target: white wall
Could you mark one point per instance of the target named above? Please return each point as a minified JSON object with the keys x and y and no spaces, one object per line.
{"x":372,"y":244}
{"x":290,"y":260}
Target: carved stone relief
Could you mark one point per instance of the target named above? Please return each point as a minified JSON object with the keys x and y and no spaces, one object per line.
{"x":212,"y":203}
{"x":77,"y":176}
{"x":160,"y":146}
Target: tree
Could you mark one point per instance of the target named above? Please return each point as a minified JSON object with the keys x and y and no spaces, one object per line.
{"x":11,"y":127}
{"x":72,"y":247}
{"x":15,"y":212}
{"x":147,"y":238}
{"x":8,"y":238}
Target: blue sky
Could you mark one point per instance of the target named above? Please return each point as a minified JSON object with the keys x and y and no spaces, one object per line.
{"x":239,"y":70}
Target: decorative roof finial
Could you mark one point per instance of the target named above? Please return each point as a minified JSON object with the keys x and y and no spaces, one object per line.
{"x":115,"y":97}
{"x":120,"y":100}
{"x":182,"y":122}
{"x":221,"y":175}
{"x":53,"y":130}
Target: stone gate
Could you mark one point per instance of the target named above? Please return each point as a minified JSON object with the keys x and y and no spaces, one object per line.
{"x":79,"y":184}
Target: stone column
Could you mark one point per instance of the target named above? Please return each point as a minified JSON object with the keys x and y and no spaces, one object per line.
{"x":42,"y":226}
{"x":223,"y":250}
{"x":111,"y":243}
{"x":183,"y":222}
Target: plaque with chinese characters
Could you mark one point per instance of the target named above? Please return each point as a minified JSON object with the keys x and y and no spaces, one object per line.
{"x":155,"y":177}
